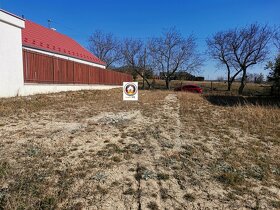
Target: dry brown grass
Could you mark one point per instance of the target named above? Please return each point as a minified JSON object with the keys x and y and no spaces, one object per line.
{"x":89,"y":149}
{"x":242,"y":143}
{"x":250,"y":89}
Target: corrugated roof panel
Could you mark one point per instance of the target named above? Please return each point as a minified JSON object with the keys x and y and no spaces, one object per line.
{"x":40,"y":37}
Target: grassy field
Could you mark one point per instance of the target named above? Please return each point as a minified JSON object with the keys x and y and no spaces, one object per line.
{"x":251,"y":89}
{"x":91,"y":150}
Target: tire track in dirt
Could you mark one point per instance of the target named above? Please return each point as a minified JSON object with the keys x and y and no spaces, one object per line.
{"x":164,"y":138}
{"x":174,"y":128}
{"x":172,"y":110}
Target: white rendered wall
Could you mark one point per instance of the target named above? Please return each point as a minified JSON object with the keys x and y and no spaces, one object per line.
{"x":31,"y":89}
{"x":11,"y":65}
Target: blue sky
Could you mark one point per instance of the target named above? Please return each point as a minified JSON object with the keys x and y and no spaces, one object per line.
{"x":146,"y":18}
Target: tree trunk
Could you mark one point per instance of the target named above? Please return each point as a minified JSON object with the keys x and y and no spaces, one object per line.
{"x":167,"y":83}
{"x":229,"y":85}
{"x":143,"y":86}
{"x":148,"y":83}
{"x":153,"y":83}
{"x":228,"y":80}
{"x":242,"y":85}
{"x":231,"y":80}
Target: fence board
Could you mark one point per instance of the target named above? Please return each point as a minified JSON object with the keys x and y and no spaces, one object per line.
{"x":40,"y":68}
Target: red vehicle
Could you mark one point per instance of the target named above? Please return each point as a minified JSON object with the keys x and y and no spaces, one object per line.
{"x":189,"y":88}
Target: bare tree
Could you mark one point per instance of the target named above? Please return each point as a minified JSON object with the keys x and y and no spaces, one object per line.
{"x":274,"y":74}
{"x":277,"y":39}
{"x":249,"y":46}
{"x":172,"y":52}
{"x":255,"y":78}
{"x":106,"y":47}
{"x":136,"y":57}
{"x":219,"y":49}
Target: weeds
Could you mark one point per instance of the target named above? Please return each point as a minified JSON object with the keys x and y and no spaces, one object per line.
{"x":275,"y":204}
{"x":164,"y":193}
{"x":129,"y":191}
{"x":32,"y":151}
{"x":153,"y":205}
{"x":100,"y":177}
{"x":230,"y":178}
{"x":162,"y":176}
{"x":4,"y":166}
{"x":189,"y":197}
{"x":48,"y":203}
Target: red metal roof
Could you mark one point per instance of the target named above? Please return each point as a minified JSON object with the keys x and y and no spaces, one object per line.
{"x":39,"y":37}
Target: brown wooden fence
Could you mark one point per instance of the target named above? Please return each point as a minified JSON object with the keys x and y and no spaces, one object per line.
{"x":40,"y":68}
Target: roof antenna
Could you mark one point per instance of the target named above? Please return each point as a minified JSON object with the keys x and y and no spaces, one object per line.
{"x":49,"y":23}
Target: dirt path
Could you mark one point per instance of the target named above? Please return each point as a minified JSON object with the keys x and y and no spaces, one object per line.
{"x":157,"y":188}
{"x":164,"y":137}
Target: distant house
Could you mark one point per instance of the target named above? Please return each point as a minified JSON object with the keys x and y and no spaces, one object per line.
{"x":35,"y":59}
{"x":130,"y":70}
{"x":182,"y":75}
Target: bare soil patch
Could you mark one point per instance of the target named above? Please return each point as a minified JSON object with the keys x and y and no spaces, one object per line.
{"x":91,"y":150}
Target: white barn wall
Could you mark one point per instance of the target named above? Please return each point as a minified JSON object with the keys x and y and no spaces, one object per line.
{"x":11,"y":64}
{"x":32,"y":89}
